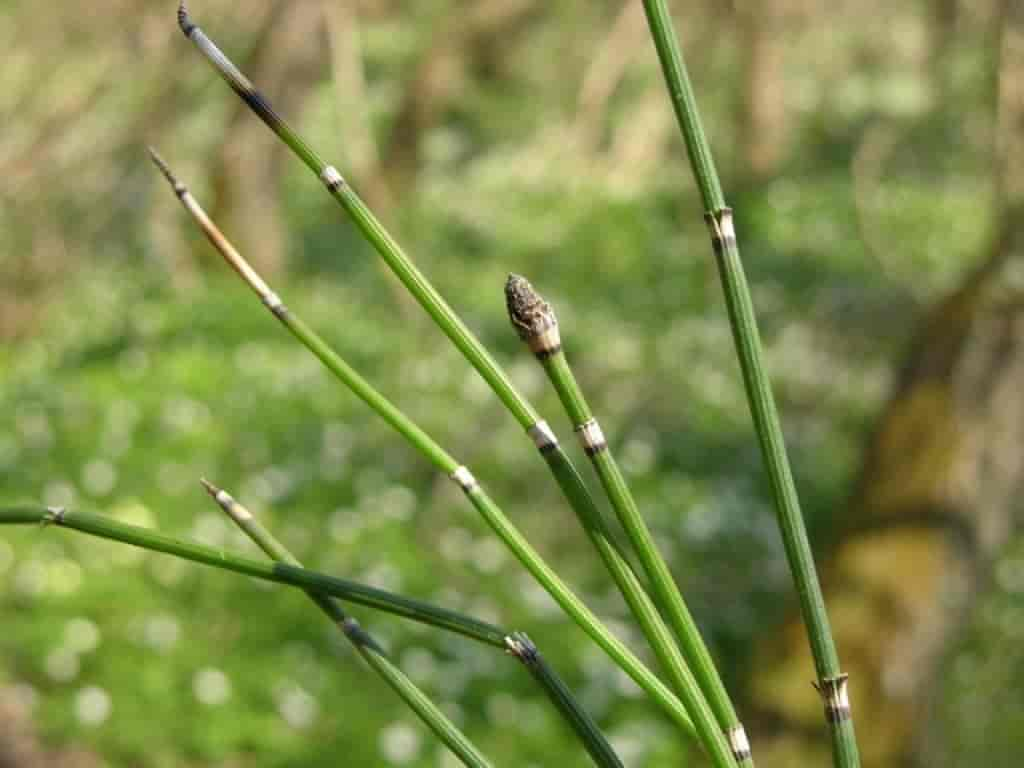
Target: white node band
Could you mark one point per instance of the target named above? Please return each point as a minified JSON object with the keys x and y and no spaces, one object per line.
{"x":738,"y":742}
{"x":272,"y":301}
{"x":465,"y":479}
{"x":728,"y":229}
{"x":836,"y":697}
{"x":331,"y":178}
{"x":543,"y":436}
{"x":591,"y":437}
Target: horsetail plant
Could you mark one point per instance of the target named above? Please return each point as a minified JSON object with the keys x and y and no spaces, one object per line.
{"x":546,"y":442}
{"x":691,"y":714}
{"x":600,"y":750}
{"x":321,"y":587}
{"x":105,"y":527}
{"x":831,"y":682}
{"x":517,"y":644}
{"x":368,"y":648}
{"x":536,"y":324}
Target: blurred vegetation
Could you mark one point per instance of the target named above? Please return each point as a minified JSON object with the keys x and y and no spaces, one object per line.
{"x":856,"y":140}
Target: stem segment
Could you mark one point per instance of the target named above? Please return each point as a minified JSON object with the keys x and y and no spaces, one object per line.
{"x":281,"y":573}
{"x":367,"y":647}
{"x":601,"y":752}
{"x":443,"y":461}
{"x":537,"y":325}
{"x":831,"y":681}
{"x":559,"y":463}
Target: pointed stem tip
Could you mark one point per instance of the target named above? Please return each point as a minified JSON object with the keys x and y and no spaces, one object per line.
{"x":179,"y":188}
{"x":184,"y":20}
{"x":224,"y":499}
{"x":210,"y":488}
{"x":530,"y":314}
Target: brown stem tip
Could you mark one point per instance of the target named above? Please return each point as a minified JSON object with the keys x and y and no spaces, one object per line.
{"x":530,"y":314}
{"x":210,"y":488}
{"x":184,"y":20}
{"x":179,"y":188}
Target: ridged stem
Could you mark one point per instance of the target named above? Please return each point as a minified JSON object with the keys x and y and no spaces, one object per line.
{"x":281,"y":573}
{"x":559,"y":463}
{"x":537,"y":324}
{"x":586,"y":729}
{"x":368,"y":648}
{"x":831,"y":681}
{"x":444,"y":462}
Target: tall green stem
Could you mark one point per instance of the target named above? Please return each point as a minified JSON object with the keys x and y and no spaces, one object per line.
{"x":536,"y":323}
{"x":831,"y":683}
{"x":372,"y":653}
{"x":461,"y":475}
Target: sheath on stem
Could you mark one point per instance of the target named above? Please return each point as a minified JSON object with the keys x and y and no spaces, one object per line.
{"x":831,"y":681}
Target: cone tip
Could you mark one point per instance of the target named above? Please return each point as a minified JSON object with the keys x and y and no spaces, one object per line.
{"x":529,"y":313}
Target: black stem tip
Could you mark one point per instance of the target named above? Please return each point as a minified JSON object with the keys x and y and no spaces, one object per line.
{"x":159,"y":162}
{"x":184,"y":20}
{"x":529,"y":313}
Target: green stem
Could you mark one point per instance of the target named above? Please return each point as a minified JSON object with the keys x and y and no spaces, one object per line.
{"x":586,"y":729}
{"x":415,"y":699}
{"x":561,"y":466}
{"x":443,"y":461}
{"x":281,"y":573}
{"x":831,"y":681}
{"x":536,"y":323}
{"x":407,"y":272}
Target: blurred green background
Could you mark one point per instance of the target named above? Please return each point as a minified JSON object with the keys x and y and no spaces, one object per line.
{"x":858,"y":143}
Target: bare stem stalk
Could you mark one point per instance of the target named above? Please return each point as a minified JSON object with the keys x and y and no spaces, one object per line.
{"x":368,"y":648}
{"x":831,"y":683}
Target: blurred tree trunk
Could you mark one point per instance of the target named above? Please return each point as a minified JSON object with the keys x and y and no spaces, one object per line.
{"x":19,"y":747}
{"x":937,"y":497}
{"x":763,"y":117}
{"x":285,"y":63}
{"x":944,"y":15}
{"x":465,"y":40}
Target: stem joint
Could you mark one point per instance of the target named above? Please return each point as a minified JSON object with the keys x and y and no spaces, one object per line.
{"x":834,"y":694}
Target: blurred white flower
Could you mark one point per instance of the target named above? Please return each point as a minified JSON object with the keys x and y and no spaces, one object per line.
{"x":92,"y":705}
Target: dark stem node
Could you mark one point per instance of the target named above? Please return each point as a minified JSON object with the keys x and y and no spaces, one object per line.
{"x":836,"y":698}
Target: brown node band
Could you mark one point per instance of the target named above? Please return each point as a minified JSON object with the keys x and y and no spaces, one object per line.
{"x":546,"y":343}
{"x":836,"y":698}
{"x":720,"y":225}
